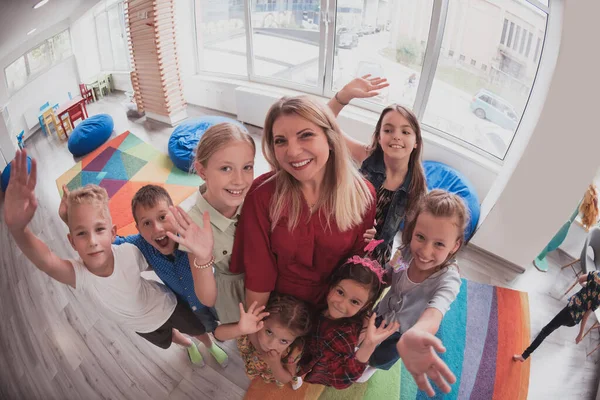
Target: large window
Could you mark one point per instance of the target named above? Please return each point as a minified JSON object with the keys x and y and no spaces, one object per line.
{"x":112,"y":38}
{"x":370,"y":41}
{"x":221,"y":37}
{"x":484,"y":107}
{"x":37,"y":60}
{"x":466,"y":67}
{"x":286,"y":40}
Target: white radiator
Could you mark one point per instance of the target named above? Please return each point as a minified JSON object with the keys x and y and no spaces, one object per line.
{"x":252,"y":104}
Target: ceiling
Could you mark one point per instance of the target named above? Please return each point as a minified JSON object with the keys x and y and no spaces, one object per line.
{"x":17,"y":17}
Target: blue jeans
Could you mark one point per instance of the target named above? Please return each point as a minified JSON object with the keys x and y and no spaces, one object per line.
{"x":385,"y":355}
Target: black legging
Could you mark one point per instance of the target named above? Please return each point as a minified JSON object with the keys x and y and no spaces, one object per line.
{"x":563,"y":318}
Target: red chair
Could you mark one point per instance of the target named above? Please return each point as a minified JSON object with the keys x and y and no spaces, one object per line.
{"x":76,"y":113}
{"x":86,"y":93}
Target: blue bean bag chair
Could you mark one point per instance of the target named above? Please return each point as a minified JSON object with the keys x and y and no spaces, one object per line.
{"x":442,"y":176}
{"x":90,"y":134}
{"x":6,"y":174}
{"x":185,"y":138}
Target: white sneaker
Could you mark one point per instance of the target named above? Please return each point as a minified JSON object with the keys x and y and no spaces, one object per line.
{"x":369,"y":372}
{"x":296,"y":383}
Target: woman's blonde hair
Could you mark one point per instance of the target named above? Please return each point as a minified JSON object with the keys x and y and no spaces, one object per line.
{"x":218,"y":136}
{"x":345,"y":195}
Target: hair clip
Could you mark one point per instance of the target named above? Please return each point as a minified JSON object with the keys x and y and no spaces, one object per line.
{"x":371,"y":246}
{"x":397,"y":262}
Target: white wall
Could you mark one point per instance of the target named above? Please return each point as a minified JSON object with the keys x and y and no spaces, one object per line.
{"x":561,"y":157}
{"x":85,"y":46}
{"x":122,"y":81}
{"x":86,"y":50}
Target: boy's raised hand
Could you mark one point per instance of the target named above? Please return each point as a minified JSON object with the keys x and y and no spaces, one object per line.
{"x":199,"y":239}
{"x":417,"y":348}
{"x":251,"y":321}
{"x":20,"y":202}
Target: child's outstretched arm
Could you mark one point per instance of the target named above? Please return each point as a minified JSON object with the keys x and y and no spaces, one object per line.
{"x":417,"y":347}
{"x":20,"y":205}
{"x":250,"y":322}
{"x":199,"y":239}
{"x":364,"y":87}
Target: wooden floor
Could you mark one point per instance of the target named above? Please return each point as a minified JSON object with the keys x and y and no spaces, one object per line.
{"x":53,"y":345}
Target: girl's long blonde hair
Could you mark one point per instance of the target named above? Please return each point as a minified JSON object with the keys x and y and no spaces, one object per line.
{"x":345,"y":196}
{"x":218,"y":136}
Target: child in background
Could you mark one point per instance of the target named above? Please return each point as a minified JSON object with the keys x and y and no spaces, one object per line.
{"x":225,"y":161}
{"x":108,"y":275}
{"x":332,"y":358}
{"x":391,"y":162}
{"x":150,"y":210}
{"x":578,"y":310}
{"x":425,"y":281}
{"x":271,"y":347}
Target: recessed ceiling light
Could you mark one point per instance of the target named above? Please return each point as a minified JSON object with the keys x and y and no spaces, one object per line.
{"x":31,"y":31}
{"x":40,"y":3}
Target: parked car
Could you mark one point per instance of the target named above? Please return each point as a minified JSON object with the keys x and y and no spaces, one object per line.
{"x":490,"y":106}
{"x":345,"y":39}
{"x":367,"y":29}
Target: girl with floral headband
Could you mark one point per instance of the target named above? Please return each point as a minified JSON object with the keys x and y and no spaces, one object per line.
{"x":331,"y":356}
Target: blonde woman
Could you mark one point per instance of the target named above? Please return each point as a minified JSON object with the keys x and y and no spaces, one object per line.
{"x":306,"y":216}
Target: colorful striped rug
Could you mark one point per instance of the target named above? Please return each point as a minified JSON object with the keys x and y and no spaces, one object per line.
{"x":484,"y":327}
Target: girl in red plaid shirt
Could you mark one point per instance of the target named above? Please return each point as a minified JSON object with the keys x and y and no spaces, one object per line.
{"x":331,"y":357}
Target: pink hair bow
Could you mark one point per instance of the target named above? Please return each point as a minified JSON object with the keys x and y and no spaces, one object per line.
{"x":370,"y":264}
{"x":367,"y":262}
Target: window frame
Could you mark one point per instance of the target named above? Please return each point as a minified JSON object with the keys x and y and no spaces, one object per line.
{"x":120,"y":6}
{"x":52,"y":61}
{"x":521,"y":43}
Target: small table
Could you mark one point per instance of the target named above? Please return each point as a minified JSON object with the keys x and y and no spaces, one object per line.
{"x":67,"y":108}
{"x":93,"y":85}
